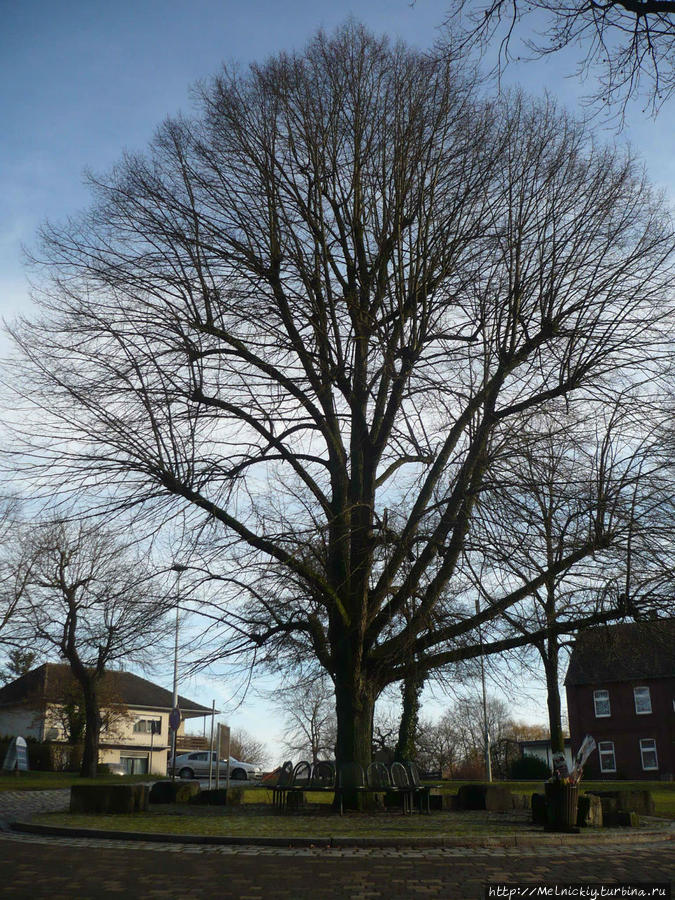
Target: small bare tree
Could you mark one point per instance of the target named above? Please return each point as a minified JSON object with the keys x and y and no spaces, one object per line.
{"x":590,"y":478}
{"x":246,"y":748}
{"x":310,"y":719}
{"x":89,"y":598}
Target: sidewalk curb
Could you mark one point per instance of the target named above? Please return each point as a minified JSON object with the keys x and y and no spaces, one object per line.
{"x":578,"y":841}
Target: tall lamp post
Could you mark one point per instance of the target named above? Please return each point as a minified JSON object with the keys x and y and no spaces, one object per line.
{"x":486,"y":730}
{"x":174,"y":718}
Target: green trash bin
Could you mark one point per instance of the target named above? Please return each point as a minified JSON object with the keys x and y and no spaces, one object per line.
{"x":561,"y":804}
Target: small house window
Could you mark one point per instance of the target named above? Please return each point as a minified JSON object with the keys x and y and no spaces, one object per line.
{"x":148,"y":726}
{"x":607,"y":758}
{"x":643,"y":701}
{"x":648,"y":753}
{"x":601,"y":702}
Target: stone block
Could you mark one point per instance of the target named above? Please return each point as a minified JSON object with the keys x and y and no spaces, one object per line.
{"x":174,"y":791}
{"x":442,"y":800}
{"x":609,"y":807}
{"x":641,"y":801}
{"x":622,"y":819}
{"x":589,"y":811}
{"x":435,"y":801}
{"x":539,"y":809}
{"x":520,"y":801}
{"x":210,"y":798}
{"x":493,"y":797}
{"x":108,"y":798}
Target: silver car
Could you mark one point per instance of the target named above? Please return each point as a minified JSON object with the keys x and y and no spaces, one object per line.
{"x":197,"y":764}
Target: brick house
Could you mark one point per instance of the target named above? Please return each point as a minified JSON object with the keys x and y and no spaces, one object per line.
{"x":621,"y":690}
{"x":135,"y":714}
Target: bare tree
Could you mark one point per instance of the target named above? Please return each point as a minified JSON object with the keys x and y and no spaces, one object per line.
{"x":437,"y":746}
{"x":628,"y":44}
{"x":582,"y":477}
{"x":310,"y":720}
{"x":246,"y":748}
{"x":325,"y":298}
{"x":12,"y":639}
{"x":89,"y":598}
{"x":457,"y":739}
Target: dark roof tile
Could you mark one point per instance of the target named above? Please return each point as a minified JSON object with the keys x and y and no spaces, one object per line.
{"x":46,"y":683}
{"x":629,"y":651}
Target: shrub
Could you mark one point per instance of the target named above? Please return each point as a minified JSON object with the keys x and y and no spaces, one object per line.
{"x":528,"y":767}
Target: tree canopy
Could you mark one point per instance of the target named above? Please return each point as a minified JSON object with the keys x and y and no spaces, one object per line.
{"x":310,"y":318}
{"x":628,"y":45}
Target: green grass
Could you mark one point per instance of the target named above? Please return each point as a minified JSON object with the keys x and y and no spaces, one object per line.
{"x":316,"y":824}
{"x":256,"y":818}
{"x":51,"y":781}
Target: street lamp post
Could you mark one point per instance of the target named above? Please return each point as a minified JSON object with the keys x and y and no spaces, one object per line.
{"x":174,"y":719}
{"x":486,"y":730}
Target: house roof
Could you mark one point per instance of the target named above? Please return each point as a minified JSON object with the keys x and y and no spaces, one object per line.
{"x":47,"y":683}
{"x":629,"y":651}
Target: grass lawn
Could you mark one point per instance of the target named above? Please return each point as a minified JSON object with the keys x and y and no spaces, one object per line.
{"x":319,"y":823}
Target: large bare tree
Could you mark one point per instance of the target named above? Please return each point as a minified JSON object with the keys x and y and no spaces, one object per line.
{"x":304,"y":318}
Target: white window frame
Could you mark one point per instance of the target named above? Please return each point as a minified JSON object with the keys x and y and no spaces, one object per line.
{"x":597,"y":698}
{"x":651,"y":749}
{"x":643,"y":692}
{"x":604,"y":749}
{"x":144,"y":725}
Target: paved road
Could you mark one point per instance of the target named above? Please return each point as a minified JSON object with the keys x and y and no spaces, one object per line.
{"x":33,"y":867}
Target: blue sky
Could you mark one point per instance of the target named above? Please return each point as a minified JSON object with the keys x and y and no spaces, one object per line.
{"x":83,"y":80}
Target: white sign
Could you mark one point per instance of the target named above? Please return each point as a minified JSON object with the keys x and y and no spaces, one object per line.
{"x":16,"y":758}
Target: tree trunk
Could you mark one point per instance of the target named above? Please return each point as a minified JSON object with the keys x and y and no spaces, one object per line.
{"x":355,"y":704}
{"x":411,"y":688}
{"x":89,"y":766}
{"x":553,"y":699}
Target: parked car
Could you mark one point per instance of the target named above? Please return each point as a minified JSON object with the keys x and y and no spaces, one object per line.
{"x":198,"y":763}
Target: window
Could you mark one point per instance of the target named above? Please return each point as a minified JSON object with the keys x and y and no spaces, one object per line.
{"x":148,"y":726}
{"x":601,"y":702}
{"x":643,"y":701}
{"x":199,"y":757}
{"x":135,"y":764}
{"x":607,"y":759}
{"x":648,"y":754}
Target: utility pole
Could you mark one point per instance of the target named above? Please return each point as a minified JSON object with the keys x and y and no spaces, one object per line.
{"x":486,"y":731}
{"x":174,"y":718}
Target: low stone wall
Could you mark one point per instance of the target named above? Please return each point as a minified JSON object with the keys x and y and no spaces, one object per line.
{"x":640,"y":801}
{"x":493,"y":797}
{"x":109,"y":798}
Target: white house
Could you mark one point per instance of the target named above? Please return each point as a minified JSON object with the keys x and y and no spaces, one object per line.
{"x":541,"y":749}
{"x":135,"y":713}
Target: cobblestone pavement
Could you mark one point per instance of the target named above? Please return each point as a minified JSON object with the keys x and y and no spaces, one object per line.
{"x":67,"y":868}
{"x":22,"y":804}
{"x":85,"y":868}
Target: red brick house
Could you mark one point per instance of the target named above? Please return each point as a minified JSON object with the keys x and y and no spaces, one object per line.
{"x":621,"y":690}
